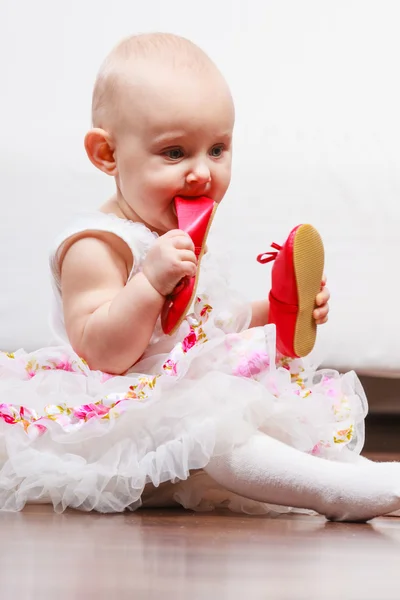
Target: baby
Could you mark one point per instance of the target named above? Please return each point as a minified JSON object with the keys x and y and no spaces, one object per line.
{"x":163,"y":119}
{"x":211,"y":415}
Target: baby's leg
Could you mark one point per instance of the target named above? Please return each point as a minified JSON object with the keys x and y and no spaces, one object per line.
{"x":267,"y":470}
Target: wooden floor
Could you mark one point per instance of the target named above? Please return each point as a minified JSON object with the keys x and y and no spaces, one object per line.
{"x":176,"y":554}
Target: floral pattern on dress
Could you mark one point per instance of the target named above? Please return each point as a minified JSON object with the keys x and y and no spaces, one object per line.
{"x":110,"y":406}
{"x":245,"y":363}
{"x":195,"y":337}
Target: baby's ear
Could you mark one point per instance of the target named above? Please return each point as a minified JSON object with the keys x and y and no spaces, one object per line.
{"x":100,"y":150}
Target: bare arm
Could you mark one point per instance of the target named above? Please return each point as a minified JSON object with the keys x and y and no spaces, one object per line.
{"x":109,"y":322}
{"x":260,"y":310}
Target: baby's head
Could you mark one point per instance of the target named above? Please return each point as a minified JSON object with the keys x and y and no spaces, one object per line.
{"x":162,"y":126}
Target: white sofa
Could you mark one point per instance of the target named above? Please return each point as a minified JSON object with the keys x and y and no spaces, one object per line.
{"x":317,"y":140}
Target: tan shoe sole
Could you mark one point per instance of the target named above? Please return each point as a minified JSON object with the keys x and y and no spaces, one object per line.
{"x":308,"y":260}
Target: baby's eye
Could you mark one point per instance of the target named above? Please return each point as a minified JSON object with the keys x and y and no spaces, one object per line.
{"x":216,"y":151}
{"x":174,"y":153}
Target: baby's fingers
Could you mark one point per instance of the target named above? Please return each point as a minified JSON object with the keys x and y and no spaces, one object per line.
{"x":321,"y":314}
{"x":323,"y":297}
{"x":189,"y":268}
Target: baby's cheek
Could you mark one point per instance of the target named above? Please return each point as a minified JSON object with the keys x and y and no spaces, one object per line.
{"x":167,"y":179}
{"x":221,"y":182}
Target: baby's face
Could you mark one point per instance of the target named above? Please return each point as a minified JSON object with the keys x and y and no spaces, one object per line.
{"x":176,"y":140}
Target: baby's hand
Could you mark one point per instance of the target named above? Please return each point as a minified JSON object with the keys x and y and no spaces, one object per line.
{"x":320,"y":314}
{"x":170,"y":259}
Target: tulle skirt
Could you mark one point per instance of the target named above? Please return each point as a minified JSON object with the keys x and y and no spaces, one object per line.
{"x":79,"y":438}
{"x":84,"y":439}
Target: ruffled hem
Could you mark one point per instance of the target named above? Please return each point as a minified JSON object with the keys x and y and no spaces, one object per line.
{"x":84,"y":439}
{"x":94,"y":442}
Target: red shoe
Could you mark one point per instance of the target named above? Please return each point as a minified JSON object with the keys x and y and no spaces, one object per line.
{"x":195,"y":218}
{"x":296,"y":281}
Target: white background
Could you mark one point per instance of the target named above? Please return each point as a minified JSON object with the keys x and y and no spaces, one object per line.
{"x":316,"y":85}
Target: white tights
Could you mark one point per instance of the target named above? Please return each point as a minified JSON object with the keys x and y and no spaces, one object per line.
{"x":267,"y":470}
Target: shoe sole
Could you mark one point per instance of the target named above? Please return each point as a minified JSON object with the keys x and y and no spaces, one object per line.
{"x":203,"y":247}
{"x":308,"y":260}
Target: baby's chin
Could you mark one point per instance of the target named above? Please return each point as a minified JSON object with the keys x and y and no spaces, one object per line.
{"x":172,"y":217}
{"x":168,"y":223}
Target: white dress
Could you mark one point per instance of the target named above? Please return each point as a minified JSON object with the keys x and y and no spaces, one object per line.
{"x":84,"y":439}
